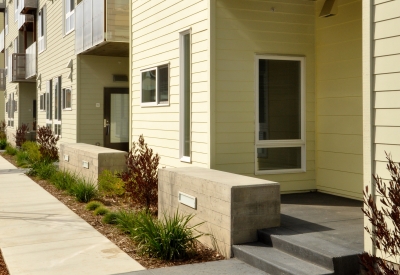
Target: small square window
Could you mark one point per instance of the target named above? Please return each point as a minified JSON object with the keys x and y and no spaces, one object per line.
{"x":155,"y":86}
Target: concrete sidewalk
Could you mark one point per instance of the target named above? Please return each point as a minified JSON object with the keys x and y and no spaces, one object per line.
{"x":40,"y":235}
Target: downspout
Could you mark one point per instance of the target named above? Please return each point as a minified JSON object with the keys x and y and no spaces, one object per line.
{"x":368,"y":127}
{"x":130,"y":74}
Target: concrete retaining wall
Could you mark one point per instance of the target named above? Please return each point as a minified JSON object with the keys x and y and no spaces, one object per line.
{"x":88,"y":161}
{"x":232,"y":206}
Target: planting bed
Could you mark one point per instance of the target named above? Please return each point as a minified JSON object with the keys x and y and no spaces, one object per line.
{"x":123,"y":241}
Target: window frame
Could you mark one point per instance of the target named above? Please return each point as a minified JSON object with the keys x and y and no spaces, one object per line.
{"x":67,"y":14}
{"x":41,"y":29}
{"x":57,"y":101}
{"x":260,"y":144}
{"x":63,"y":95}
{"x":182,"y":157}
{"x":157,"y":102}
{"x":42,"y":102}
{"x":49,"y":103}
{"x":6,"y":13}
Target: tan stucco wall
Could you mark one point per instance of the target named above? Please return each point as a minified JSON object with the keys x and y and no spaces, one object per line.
{"x":244,"y":29}
{"x":339,"y":156}
{"x":94,"y":74}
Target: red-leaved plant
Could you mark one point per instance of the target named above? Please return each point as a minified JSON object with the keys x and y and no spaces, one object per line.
{"x":3,"y":128}
{"x":141,"y":177}
{"x":385,"y":221}
{"x":20,"y":135}
{"x":47,"y":143}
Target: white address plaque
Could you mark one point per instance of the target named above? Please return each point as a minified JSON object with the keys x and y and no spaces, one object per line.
{"x":187,"y":200}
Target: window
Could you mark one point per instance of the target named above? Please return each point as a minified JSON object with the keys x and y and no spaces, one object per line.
{"x":185,"y":96}
{"x":6,"y":20}
{"x":155,"y":86}
{"x":6,"y":60}
{"x":280,"y":135}
{"x":11,"y":108}
{"x":16,"y":6}
{"x":57,"y":105}
{"x":49,"y":102}
{"x":69,"y":20}
{"x":16,"y":49}
{"x":67,"y":99}
{"x":41,"y":30}
{"x":42,"y":106}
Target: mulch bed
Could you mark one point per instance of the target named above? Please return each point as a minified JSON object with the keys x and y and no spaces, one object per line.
{"x":123,"y":241}
{"x":3,"y":267}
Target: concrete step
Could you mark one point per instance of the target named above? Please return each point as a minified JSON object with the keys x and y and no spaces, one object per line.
{"x":276,"y":262}
{"x":311,"y":248}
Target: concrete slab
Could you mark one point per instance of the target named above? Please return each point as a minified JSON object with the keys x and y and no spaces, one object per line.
{"x":40,"y":235}
{"x":228,"y":267}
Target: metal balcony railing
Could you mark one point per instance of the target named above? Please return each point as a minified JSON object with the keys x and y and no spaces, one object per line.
{"x":2,"y":41}
{"x":18,"y":68}
{"x":31,"y":61}
{"x":95,"y":23}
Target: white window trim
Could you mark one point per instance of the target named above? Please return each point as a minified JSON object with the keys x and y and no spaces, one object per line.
{"x":63,"y":94}
{"x":58,"y":120}
{"x":157,"y":103}
{"x":42,"y":39}
{"x":66,"y":15}
{"x":16,"y":8}
{"x":183,"y":158}
{"x":49,"y":102}
{"x":281,"y":143}
{"x":6,"y":12}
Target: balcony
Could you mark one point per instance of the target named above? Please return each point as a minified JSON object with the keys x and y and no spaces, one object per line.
{"x":102,"y":29}
{"x":3,"y":79}
{"x":28,"y":6}
{"x":31,"y":61}
{"x":26,"y":22}
{"x":2,"y":41}
{"x":18,"y":68}
{"x":2,"y":5}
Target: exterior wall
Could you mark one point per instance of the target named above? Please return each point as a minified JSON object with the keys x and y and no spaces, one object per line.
{"x":339,"y":133}
{"x":2,"y":97}
{"x":52,"y":63}
{"x":94,"y":74}
{"x":26,"y":95}
{"x":244,"y":29}
{"x":155,"y":41}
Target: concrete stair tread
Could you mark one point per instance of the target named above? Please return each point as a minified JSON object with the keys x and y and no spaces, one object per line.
{"x":312,"y":247}
{"x":309,"y":241}
{"x":274,"y":261}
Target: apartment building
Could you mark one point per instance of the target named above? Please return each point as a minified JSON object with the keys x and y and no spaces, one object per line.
{"x":67,"y":68}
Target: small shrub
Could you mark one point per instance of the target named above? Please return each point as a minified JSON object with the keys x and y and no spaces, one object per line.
{"x":110,"y":218}
{"x":20,"y":135}
{"x":141,"y":177}
{"x":3,"y":144}
{"x":32,"y":149}
{"x":83,"y":191}
{"x":93,"y":205}
{"x":22,"y":159}
{"x":10,"y":150}
{"x":126,"y":220}
{"x":47,"y":143}
{"x":169,"y":239}
{"x":43,"y":169}
{"x":385,"y":222}
{"x":110,"y":184}
{"x":101,"y":210}
{"x":3,"y":128}
{"x":63,"y":180}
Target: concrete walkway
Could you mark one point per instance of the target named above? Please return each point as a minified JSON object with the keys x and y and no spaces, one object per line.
{"x":40,"y":235}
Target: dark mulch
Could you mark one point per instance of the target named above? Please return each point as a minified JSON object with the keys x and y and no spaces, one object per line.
{"x":123,"y":241}
{"x":3,"y":267}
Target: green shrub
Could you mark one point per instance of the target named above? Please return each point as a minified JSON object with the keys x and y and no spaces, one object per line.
{"x":22,"y":159}
{"x":83,"y":191}
{"x":110,"y":184}
{"x":63,"y":180}
{"x":126,"y":220}
{"x":43,"y":169}
{"x":3,"y":143}
{"x":10,"y":150}
{"x":169,"y":239}
{"x":32,"y":149}
{"x":101,"y":210}
{"x":110,"y":218}
{"x":93,"y":205}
